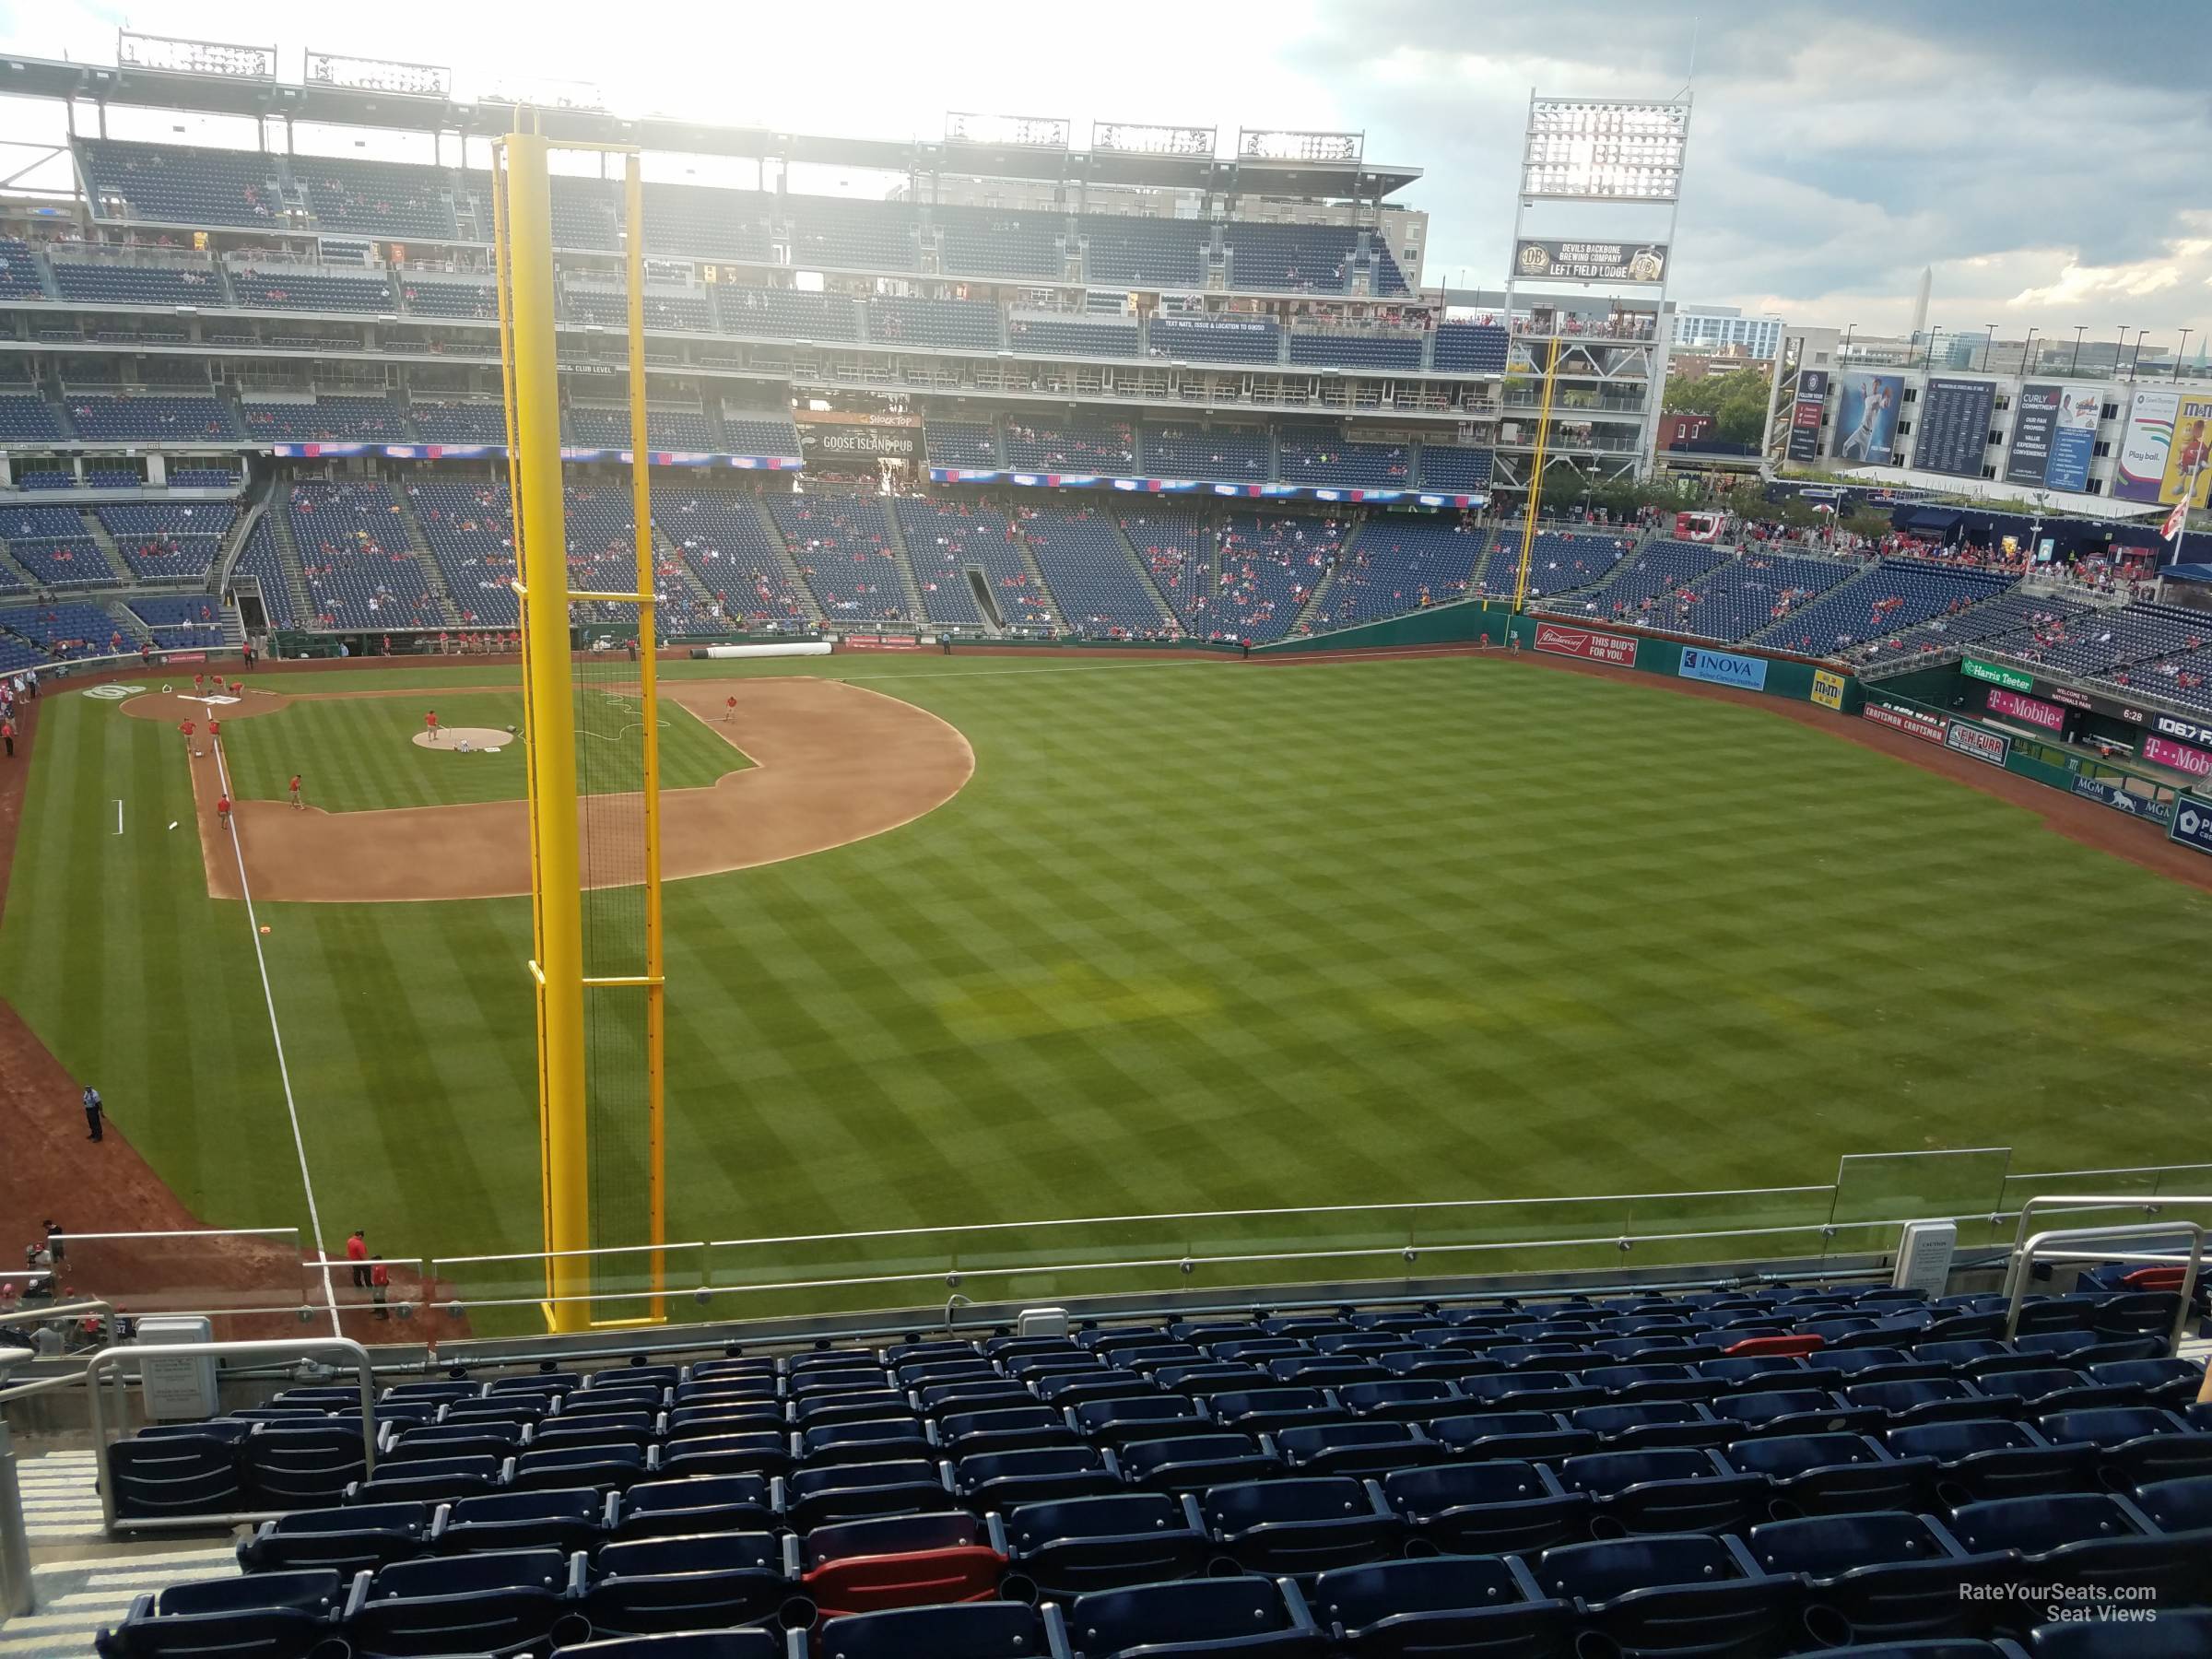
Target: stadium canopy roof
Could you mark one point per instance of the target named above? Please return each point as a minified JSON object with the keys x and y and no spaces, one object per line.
{"x":253,"y":96}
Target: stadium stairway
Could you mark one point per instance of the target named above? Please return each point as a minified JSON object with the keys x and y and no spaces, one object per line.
{"x":790,"y":572}
{"x":108,"y":550}
{"x":903,"y":561}
{"x":1057,"y":611}
{"x":287,"y":554}
{"x":23,"y":577}
{"x":419,"y":543}
{"x":1167,"y":619}
{"x":1302,"y":624}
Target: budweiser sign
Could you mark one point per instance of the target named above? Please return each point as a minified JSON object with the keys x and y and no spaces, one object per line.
{"x":1618,"y":649}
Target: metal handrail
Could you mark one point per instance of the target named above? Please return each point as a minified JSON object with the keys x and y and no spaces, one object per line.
{"x":343,"y":1346}
{"x":2050,"y":1201}
{"x":2038,"y":1248}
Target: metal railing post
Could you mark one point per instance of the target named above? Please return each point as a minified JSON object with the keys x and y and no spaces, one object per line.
{"x":2047,"y":1201}
{"x":2027,"y":1255}
{"x":303,"y":1347}
{"x":17,"y":1594}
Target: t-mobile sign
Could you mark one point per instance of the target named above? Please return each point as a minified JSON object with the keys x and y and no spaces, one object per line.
{"x":2196,"y":762}
{"x":2013,"y":706}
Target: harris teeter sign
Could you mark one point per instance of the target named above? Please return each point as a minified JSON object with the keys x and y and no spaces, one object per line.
{"x":2012,"y":679}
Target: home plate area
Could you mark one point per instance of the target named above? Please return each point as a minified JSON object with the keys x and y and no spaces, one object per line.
{"x":464,"y":740}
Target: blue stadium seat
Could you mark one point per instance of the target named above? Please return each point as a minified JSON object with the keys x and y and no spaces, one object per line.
{"x":1248,"y":1616}
{"x":1485,"y":1507}
{"x":1835,"y":1473}
{"x":759,"y":1643}
{"x":974,"y":1631}
{"x":695,"y":1504}
{"x":2177,"y":1506}
{"x":1367,"y":1447}
{"x":1883,"y":1577}
{"x":997,"y":1481}
{"x":1190,"y":1462}
{"x":1512,"y":1434}
{"x":186,"y":1473}
{"x":305,"y":1467}
{"x":498,"y":1603}
{"x":1489,"y":1606}
{"x":1082,"y":1543}
{"x":567,"y":1519}
{"x":2091,"y":1539}
{"x":703,"y":1581}
{"x":2167,"y":1633}
{"x":355,"y":1538}
{"x":1684,"y":1594}
{"x":1680,"y":1489}
{"x":1300,"y":1525}
{"x":1989,"y":1458}
{"x":264,"y":1615}
{"x":2135,"y":1444}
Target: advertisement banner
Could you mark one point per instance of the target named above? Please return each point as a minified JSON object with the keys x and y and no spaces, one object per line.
{"x":2119,"y":800}
{"x":1913,"y":722}
{"x":2145,"y":445}
{"x":2188,"y":731}
{"x":2073,"y":439}
{"x":2191,"y":823}
{"x":2196,"y":762}
{"x":1804,"y":415}
{"x":1952,"y":435}
{"x":2189,"y":458}
{"x":2035,"y":711}
{"x":1721,"y":669}
{"x":830,"y":436}
{"x":1975,"y":669}
{"x":1580,"y":642}
{"x":882,"y":642}
{"x":1590,"y":261}
{"x":1867,"y":416}
{"x":2033,"y":428}
{"x":1971,"y":740}
{"x":1828,"y":689}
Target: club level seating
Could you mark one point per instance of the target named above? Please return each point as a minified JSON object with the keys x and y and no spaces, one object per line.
{"x":685,"y":429}
{"x":376,"y":199}
{"x":1086,"y":564}
{"x":167,"y":541}
{"x":1468,"y":349}
{"x":318,"y":290}
{"x":1399,"y":565}
{"x":1458,"y":470}
{"x":955,"y":324}
{"x":1268,"y":567}
{"x":460,"y":423}
{"x":101,"y":283}
{"x":1102,"y":447}
{"x":1649,"y":585}
{"x":760,"y":432}
{"x":203,"y":477}
{"x":684,"y":310}
{"x":1635,"y":1474}
{"x":325,"y":420}
{"x":1172,"y":543}
{"x":45,"y":480}
{"x":423,"y":294}
{"x":1229,"y":340}
{"x":972,"y":443}
{"x":841,"y":547}
{"x":60,"y":632}
{"x":833,"y":234}
{"x":697,"y":219}
{"x":19,"y":270}
{"x":27,"y":420}
{"x":1216,"y":454}
{"x":784,"y":314}
{"x":1357,"y":350}
{"x":153,"y":419}
{"x":1055,"y":337}
{"x":1752,"y":592}
{"x":1315,"y":455}
{"x":946,"y":539}
{"x":353,"y":550}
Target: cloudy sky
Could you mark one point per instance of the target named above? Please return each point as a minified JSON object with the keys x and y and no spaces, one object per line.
{"x":2048,"y":159}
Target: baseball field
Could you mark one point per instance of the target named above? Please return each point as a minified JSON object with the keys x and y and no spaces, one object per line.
{"x":1193,"y":934}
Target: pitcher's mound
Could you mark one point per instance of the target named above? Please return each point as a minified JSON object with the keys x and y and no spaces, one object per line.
{"x":481,"y":740}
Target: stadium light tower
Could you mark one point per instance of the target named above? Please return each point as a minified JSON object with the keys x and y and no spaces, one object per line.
{"x":1627,"y":153}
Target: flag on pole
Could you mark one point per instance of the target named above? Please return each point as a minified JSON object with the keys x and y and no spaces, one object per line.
{"x":2175,"y":520}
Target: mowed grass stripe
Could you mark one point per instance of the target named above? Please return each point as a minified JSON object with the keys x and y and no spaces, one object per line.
{"x":358,"y":754}
{"x":1216,"y":936}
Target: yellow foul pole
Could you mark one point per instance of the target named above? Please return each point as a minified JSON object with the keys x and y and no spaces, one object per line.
{"x":535,"y":443}
{"x":1535,"y":482}
{"x":657,"y":1163}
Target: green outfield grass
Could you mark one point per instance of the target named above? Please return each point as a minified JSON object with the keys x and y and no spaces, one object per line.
{"x":1195,"y":936}
{"x":355,"y":754}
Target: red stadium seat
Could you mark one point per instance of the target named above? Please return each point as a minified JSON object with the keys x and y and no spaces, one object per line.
{"x":1786,"y":1346}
